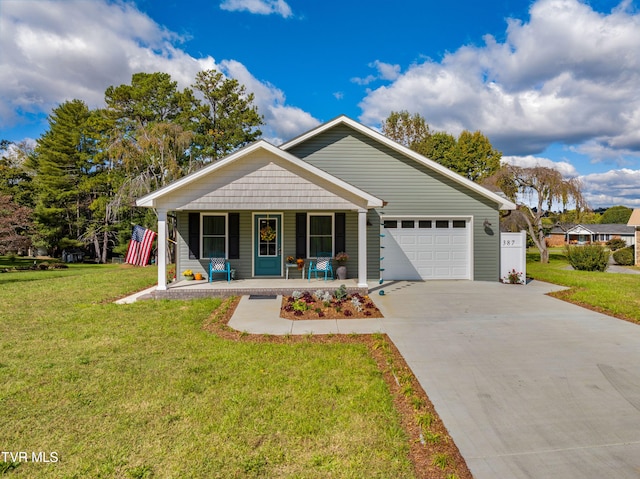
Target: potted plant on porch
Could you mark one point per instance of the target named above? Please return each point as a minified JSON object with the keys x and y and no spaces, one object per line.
{"x":341,"y":271}
{"x":188,"y":274}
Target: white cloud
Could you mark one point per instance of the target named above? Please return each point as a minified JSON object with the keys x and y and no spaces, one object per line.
{"x":282,"y":122}
{"x":55,"y":51}
{"x":614,"y":187}
{"x":385,"y":71}
{"x":599,"y":152}
{"x":568,"y":75}
{"x":566,"y":169}
{"x":260,"y":7}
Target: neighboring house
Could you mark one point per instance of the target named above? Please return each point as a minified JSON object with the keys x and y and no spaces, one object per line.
{"x":557,"y":236}
{"x":634,"y":222}
{"x":339,"y":187}
{"x":600,"y":233}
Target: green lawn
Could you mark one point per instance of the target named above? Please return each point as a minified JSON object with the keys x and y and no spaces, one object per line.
{"x":143,"y":391}
{"x":614,"y":294}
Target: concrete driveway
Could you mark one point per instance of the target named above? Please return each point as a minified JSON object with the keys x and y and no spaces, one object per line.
{"x":528,"y":386}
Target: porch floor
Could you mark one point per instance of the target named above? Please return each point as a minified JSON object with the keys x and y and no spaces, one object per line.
{"x":267,"y":286}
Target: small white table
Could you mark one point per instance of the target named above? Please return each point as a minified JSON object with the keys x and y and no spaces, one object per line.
{"x":289,"y":266}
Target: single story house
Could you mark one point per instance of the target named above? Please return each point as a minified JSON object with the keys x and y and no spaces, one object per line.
{"x":557,"y":236}
{"x":634,"y":222}
{"x":338,"y":187}
{"x":600,"y":233}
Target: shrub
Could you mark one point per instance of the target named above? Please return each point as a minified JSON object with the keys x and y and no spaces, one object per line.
{"x":624,"y":256}
{"x":341,"y":292}
{"x":616,"y":244}
{"x":588,"y":257}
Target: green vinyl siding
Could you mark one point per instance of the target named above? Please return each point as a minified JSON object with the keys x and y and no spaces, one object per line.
{"x":244,"y":265}
{"x":408,"y":187}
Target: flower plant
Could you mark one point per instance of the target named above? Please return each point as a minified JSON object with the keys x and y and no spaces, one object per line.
{"x":513,"y":277}
{"x":342,"y":257}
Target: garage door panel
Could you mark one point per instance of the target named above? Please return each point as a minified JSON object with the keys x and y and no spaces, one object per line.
{"x":459,"y":256}
{"x":411,"y":255}
{"x":425,"y":256}
{"x":425,"y":240}
{"x":406,"y":240}
{"x":426,"y":253}
{"x":459,"y":240}
{"x":443,"y":256}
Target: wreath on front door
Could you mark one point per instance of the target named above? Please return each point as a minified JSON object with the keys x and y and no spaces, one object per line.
{"x":267,"y":233}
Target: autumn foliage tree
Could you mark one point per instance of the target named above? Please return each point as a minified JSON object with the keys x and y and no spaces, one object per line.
{"x":15,"y":226}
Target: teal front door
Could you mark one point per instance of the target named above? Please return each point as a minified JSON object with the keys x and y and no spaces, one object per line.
{"x":268,"y":254}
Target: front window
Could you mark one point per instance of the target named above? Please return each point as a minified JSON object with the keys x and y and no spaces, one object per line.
{"x":320,"y":235}
{"x":214,"y":237}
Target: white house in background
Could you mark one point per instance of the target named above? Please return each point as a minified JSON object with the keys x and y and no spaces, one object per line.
{"x":600,"y":233}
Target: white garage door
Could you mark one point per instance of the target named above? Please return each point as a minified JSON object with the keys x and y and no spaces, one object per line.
{"x":426,"y":249}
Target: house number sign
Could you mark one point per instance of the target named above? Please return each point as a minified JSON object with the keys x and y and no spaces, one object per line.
{"x":509,"y":241}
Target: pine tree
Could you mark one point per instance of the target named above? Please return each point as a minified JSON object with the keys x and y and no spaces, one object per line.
{"x":63,"y":164}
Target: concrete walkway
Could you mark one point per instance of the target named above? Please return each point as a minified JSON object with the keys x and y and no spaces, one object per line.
{"x":528,"y":386}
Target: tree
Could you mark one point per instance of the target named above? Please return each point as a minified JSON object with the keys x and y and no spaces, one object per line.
{"x":471,"y":154}
{"x":541,"y":187}
{"x":151,"y":98}
{"x":616,"y":214}
{"x":15,"y":177}
{"x":227,"y":119}
{"x":438,"y":147}
{"x":146,"y":132}
{"x":63,"y":163}
{"x":406,"y":129}
{"x":15,"y":226}
{"x":474,"y":157}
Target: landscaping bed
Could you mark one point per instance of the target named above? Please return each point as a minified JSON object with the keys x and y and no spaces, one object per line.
{"x":322,"y":304}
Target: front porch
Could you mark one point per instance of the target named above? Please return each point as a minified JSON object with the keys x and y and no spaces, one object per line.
{"x":242,"y":287}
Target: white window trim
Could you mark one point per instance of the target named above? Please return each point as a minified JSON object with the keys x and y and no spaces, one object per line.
{"x":333,"y":230}
{"x":226,"y":233}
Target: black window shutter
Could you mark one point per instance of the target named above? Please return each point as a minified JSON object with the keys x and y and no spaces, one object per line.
{"x":234,"y":235}
{"x":194,"y":235}
{"x":301,"y":235}
{"x":341,"y":232}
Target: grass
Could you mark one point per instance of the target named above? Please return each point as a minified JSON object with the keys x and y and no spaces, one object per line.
{"x":143,"y":390}
{"x":610,"y":293}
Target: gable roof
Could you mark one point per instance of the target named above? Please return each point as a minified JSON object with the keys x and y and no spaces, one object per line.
{"x":152,"y":199}
{"x":634,"y":219}
{"x":503,"y":203}
{"x":606,"y":228}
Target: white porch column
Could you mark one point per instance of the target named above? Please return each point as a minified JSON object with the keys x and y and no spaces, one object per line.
{"x":362,"y":248}
{"x":162,"y":249}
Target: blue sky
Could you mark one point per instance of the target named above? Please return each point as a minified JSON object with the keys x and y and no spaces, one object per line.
{"x":550,"y":82}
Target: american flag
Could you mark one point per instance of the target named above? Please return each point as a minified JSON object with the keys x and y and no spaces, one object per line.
{"x":140,"y":246}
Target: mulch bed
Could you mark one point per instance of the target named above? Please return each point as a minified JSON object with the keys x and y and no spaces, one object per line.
{"x":410,"y":400}
{"x":346,"y":308}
